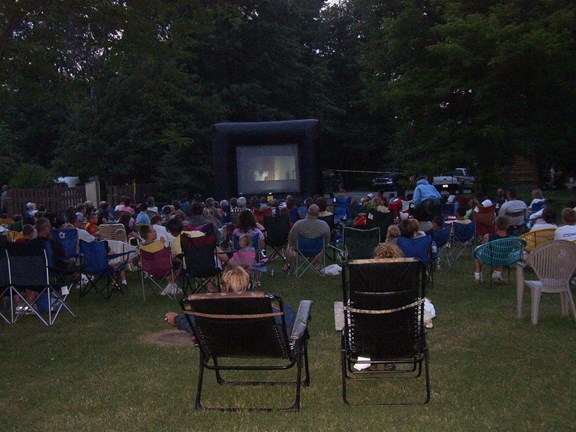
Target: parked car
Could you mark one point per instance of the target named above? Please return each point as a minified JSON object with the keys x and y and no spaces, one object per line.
{"x":385,"y":182}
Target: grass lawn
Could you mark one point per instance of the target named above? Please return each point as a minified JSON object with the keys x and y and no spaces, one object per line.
{"x":106,"y":371}
{"x":103,"y":371}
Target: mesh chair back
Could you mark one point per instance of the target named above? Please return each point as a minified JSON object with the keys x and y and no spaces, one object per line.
{"x":199,"y":254}
{"x":157,"y":264}
{"x":360,"y":244}
{"x":380,"y":220}
{"x":464,"y":232}
{"x":27,"y":264}
{"x":277,"y":229}
{"x":237,"y":325}
{"x":261,"y":214}
{"x":420,"y":248}
{"x":502,"y":252}
{"x":4,"y":279}
{"x":385,"y":308}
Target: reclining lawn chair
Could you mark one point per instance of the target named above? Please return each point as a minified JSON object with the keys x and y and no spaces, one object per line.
{"x":245,"y":326}
{"x":383,"y":333}
{"x":27,"y":266}
{"x":97,"y":266}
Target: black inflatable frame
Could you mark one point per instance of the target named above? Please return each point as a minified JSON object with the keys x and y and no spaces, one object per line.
{"x":305,"y":133}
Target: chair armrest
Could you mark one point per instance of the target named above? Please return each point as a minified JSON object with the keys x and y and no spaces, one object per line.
{"x":339,"y":315}
{"x":301,"y":321}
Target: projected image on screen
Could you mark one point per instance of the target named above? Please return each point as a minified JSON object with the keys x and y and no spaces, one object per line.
{"x":269,"y":168}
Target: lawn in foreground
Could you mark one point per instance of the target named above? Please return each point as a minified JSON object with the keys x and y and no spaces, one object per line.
{"x":104,"y":371}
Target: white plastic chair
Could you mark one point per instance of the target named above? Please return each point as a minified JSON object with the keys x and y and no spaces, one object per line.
{"x":554,"y":263}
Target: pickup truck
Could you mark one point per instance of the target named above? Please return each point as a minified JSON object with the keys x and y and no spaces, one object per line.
{"x":459,"y":182}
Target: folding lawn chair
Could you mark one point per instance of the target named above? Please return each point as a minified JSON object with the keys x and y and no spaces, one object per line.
{"x":442,"y":238}
{"x":380,"y":220}
{"x":97,"y":266}
{"x":536,"y":238}
{"x":202,"y":266}
{"x":421,"y":249}
{"x":463,"y":238}
{"x":309,"y":253}
{"x":232,"y":327}
{"x":65,"y":269}
{"x":27,"y":266}
{"x":383,"y":333}
{"x":113,"y":232}
{"x":484,"y":220}
{"x":156,"y":268}
{"x":277,"y":229}
{"x":359,"y":244}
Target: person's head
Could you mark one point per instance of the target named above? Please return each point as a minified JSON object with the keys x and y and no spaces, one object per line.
{"x":241,"y":202}
{"x":549,"y":215}
{"x":235,"y":280}
{"x":103,"y":205}
{"x":502,"y":223}
{"x":31,"y":206}
{"x":254,"y":202}
{"x":313,"y":212}
{"x":174,"y":227}
{"x":224,"y":203}
{"x":461,"y":212}
{"x":568,"y":216}
{"x":155,"y":219}
{"x":246,"y":221}
{"x":43,"y":227}
{"x":321,"y":203}
{"x":245,"y":241}
{"x":124,"y":218}
{"x":406,"y":228}
{"x":150,"y":202}
{"x":126,"y":201}
{"x":73,"y":219}
{"x":196,"y":209}
{"x":176,"y":204}
{"x":512,"y":194}
{"x":289,"y":201}
{"x":387,"y":250}
{"x":392,"y":233}
{"x":537,"y":194}
{"x":92,"y":217}
{"x":415,"y":223}
{"x":147,"y":233}
{"x":28,"y":231}
{"x":81,"y":208}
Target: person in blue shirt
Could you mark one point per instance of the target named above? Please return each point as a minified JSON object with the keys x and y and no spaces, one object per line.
{"x":425,"y":195}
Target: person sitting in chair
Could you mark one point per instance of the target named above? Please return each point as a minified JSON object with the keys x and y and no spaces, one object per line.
{"x":310,"y":227}
{"x":233,"y":280}
{"x":502,"y":226}
{"x":568,"y":230}
{"x":425,"y":195}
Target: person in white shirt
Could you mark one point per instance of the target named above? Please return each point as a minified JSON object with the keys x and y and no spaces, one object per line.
{"x":568,"y":230}
{"x":548,"y":220}
{"x":514,"y":205}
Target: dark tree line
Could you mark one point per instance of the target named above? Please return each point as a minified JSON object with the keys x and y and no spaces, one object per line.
{"x":128,"y":90}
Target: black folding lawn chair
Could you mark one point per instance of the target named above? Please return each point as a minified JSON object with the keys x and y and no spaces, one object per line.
{"x":383,"y":333}
{"x":230,"y":328}
{"x":277,"y":229}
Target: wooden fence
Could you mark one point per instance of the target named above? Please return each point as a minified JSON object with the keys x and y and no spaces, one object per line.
{"x":56,"y":199}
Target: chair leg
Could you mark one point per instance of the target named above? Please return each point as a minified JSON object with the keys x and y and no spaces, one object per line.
{"x":198,"y":404}
{"x":571,"y":303}
{"x":536,"y":294}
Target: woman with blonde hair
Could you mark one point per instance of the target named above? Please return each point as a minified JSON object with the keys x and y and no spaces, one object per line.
{"x":387,"y":250}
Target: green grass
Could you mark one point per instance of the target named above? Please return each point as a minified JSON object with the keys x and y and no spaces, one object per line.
{"x":489,"y":370}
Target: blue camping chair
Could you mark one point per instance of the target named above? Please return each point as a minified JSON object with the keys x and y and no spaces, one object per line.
{"x":464,"y":238}
{"x":65,"y":269}
{"x":342,"y":211}
{"x":96,"y":264}
{"x":442,"y":239}
{"x":420,"y":248}
{"x":309,"y":251}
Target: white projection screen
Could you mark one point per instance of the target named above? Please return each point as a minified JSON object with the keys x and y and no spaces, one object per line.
{"x":267,"y":168}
